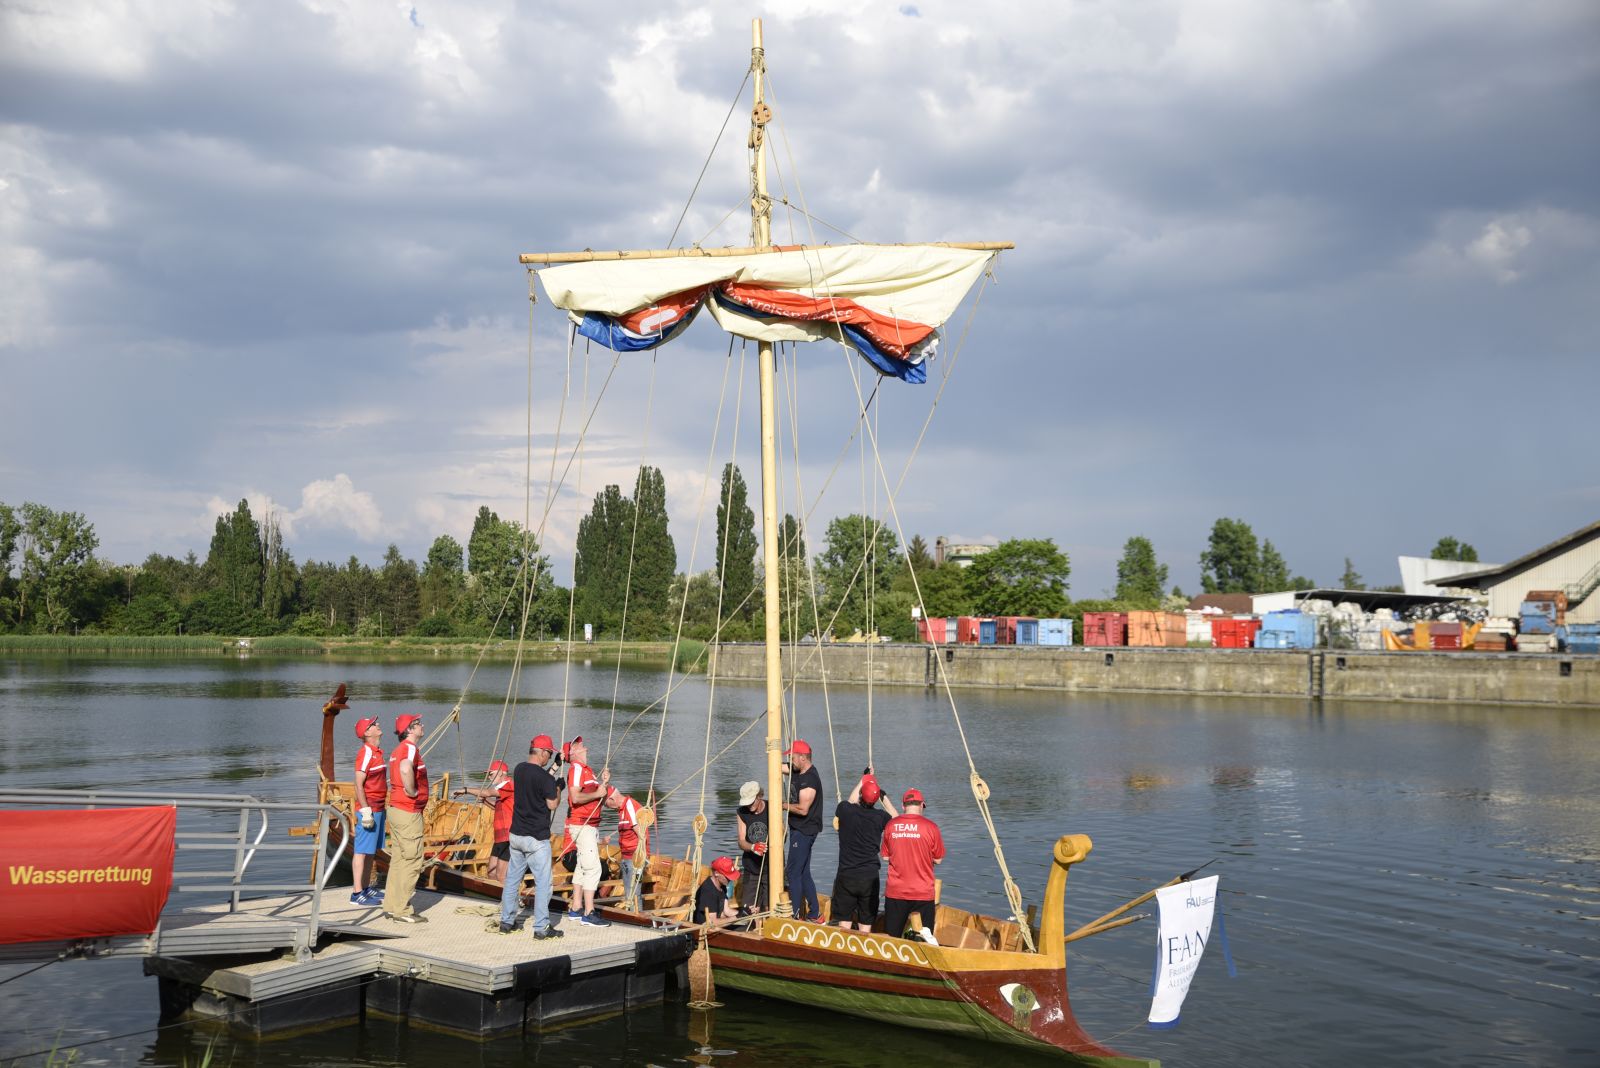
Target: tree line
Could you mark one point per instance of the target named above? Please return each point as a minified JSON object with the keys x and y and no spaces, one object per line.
{"x":625,"y":578}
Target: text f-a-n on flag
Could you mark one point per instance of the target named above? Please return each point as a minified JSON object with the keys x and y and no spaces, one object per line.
{"x":73,"y":874}
{"x":1186,"y":914}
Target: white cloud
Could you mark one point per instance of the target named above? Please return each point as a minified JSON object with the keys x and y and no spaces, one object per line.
{"x":1507,"y":248}
{"x":325,"y":503}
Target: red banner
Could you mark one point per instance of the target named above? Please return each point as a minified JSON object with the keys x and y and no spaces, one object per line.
{"x":84,"y":874}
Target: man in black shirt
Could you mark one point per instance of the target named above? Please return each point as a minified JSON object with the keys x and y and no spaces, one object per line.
{"x":805,"y":823}
{"x":752,"y":816}
{"x":535,"y":793}
{"x":711,"y":900}
{"x":861,"y":823}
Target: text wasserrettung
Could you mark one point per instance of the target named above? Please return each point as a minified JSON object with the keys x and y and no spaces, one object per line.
{"x":28,"y":875}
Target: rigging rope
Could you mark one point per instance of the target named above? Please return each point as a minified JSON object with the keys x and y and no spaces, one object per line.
{"x":633,"y":541}
{"x":572,"y":594}
{"x":980,"y":789}
{"x":731,"y":108}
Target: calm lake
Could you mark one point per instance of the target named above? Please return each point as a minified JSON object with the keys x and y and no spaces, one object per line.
{"x":1401,"y":884}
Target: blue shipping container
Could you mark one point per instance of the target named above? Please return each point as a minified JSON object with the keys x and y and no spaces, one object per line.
{"x":1537,"y":624}
{"x":985,"y":632}
{"x":1582,"y":638}
{"x":1055,"y":632}
{"x":1298,"y":628}
{"x":1027,"y":632}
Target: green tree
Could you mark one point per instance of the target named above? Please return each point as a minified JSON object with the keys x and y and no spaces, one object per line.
{"x":860,"y":557}
{"x":655,"y":558}
{"x":1140,"y":578}
{"x":399,"y":592}
{"x":1451,"y":549}
{"x":57,"y":566}
{"x":1351,"y":579}
{"x":1020,"y":577}
{"x":278,"y":573}
{"x":235,"y":562}
{"x":498,"y":585}
{"x":737,"y":546}
{"x":945,"y":593}
{"x":918,"y":558}
{"x":1273,"y":574}
{"x":600,"y":561}
{"x":444,"y":577}
{"x":10,"y":531}
{"x":1232,"y":561}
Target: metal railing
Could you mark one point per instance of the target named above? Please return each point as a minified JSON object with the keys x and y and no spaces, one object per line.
{"x":240,"y":842}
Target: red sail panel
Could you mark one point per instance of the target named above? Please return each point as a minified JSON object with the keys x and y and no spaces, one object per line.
{"x":896,"y":336}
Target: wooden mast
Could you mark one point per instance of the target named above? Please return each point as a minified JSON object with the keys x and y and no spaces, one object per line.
{"x":761,"y":238}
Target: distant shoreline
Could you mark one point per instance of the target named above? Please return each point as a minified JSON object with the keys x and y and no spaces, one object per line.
{"x":408,"y":648}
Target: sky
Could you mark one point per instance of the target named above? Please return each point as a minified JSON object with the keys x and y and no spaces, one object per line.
{"x":1330,"y":267}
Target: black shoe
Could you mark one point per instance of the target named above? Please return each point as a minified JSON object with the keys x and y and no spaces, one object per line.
{"x":542,"y":933}
{"x":507,"y":928}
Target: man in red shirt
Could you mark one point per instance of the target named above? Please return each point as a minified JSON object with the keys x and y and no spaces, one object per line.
{"x":912,"y":844}
{"x":633,"y":840}
{"x":584,"y":793}
{"x":408,"y":799}
{"x":371,"y":787}
{"x":498,"y":794}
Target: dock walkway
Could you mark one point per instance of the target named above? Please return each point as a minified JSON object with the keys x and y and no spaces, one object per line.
{"x":453,"y":972}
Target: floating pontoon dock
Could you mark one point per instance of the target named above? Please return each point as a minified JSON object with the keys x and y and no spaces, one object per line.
{"x":452,"y":973}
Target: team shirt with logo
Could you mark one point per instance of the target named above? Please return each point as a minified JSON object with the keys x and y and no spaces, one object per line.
{"x":397,"y":786}
{"x":912,"y":844}
{"x":370,"y":773}
{"x":581,"y":778}
{"x":629,"y":836}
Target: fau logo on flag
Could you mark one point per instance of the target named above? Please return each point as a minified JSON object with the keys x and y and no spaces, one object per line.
{"x":1186,"y":913}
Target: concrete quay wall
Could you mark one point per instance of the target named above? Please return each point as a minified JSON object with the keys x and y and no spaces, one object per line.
{"x":1556,"y":680}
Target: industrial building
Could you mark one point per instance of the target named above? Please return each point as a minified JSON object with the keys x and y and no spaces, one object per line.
{"x":1569,"y":565}
{"x":958,"y":553}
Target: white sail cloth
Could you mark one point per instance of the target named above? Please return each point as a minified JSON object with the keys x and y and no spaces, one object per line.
{"x":918,"y":283}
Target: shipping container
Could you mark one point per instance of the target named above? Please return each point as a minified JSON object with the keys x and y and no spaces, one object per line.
{"x":1301,"y":628}
{"x":1438,"y":639}
{"x":967,"y":630}
{"x":1105,"y":628}
{"x":1055,"y":632}
{"x":934,"y":630}
{"x":986,"y":632}
{"x":1583,"y":637}
{"x":1005,"y":629}
{"x":1234,"y":633}
{"x":1156,"y":628}
{"x":1027,"y":632}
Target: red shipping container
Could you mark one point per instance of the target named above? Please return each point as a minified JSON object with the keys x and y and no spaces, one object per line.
{"x":1105,"y":628}
{"x":1444,"y":641}
{"x":967,"y":630}
{"x":931,"y":630}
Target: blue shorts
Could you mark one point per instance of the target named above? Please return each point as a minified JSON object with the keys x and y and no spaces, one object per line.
{"x":369,"y":842}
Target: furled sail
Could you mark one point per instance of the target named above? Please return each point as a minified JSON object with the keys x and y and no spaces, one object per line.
{"x":885,"y":301}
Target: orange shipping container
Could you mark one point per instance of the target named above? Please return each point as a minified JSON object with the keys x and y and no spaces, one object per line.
{"x":1156,"y":628}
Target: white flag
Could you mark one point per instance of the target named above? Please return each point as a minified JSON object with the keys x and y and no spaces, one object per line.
{"x":1186,"y":911}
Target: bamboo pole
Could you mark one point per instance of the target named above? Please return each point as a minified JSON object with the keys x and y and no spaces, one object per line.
{"x":761,"y":236}
{"x":591,"y":255}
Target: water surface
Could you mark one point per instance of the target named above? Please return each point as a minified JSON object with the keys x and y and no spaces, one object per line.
{"x":1402,"y":883}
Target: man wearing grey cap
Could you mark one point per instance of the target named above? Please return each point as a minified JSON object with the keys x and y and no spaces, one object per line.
{"x":753,"y":845}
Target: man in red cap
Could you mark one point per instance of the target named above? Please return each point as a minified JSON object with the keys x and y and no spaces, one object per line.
{"x":499,"y":795}
{"x":372,"y":786}
{"x":805,"y":823}
{"x":408,"y":799}
{"x":584,"y":794}
{"x":535,"y":794}
{"x":913,"y":845}
{"x":861,"y":823}
{"x":632,"y":839}
{"x":711,"y":901}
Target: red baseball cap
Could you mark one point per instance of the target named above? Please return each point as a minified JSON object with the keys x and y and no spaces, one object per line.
{"x":498,"y":765}
{"x":870,"y":790}
{"x":543,"y":741}
{"x":912,"y":796}
{"x":798,"y":746}
{"x":723,"y":866}
{"x":363,"y":725}
{"x":403,"y":723}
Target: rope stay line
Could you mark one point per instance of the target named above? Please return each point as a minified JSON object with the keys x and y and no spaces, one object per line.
{"x":704,"y":166}
{"x":572,"y":594}
{"x":633,"y":542}
{"x":980,"y":789}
